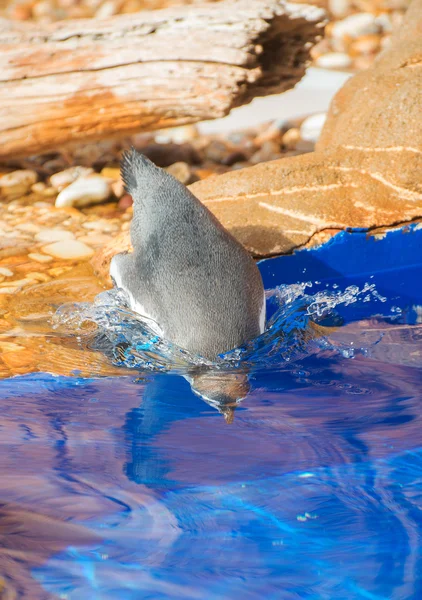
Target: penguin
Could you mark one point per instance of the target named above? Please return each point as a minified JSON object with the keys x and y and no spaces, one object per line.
{"x":188,"y":276}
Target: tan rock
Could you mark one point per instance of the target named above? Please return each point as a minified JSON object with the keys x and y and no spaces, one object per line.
{"x":42,"y":258}
{"x":54,"y":235}
{"x":365,"y":172}
{"x":64,"y":178}
{"x":17,"y":184}
{"x":181,"y":171}
{"x":68,"y":250}
{"x":84,"y":191}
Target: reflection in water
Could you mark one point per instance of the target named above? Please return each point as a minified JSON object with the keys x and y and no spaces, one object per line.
{"x":132,"y":486}
{"x":313,"y":490}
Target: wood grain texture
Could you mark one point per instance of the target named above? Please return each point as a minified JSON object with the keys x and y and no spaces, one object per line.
{"x":89,"y":79}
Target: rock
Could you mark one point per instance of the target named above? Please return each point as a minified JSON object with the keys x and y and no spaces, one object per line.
{"x":64,"y":178}
{"x":234,"y":157}
{"x":269,"y":151}
{"x":176,"y":135}
{"x":38,"y":277}
{"x":42,"y":258}
{"x":291,"y":138}
{"x":98,"y":239}
{"x":28,"y":227}
{"x":84,"y":191}
{"x":366,"y":44}
{"x":112,"y":173}
{"x":355,"y":26}
{"x":107,"y":9}
{"x":365,"y":172}
{"x":17,"y":283}
{"x":6,"y":272}
{"x":17,"y":183}
{"x":181,"y":171}
{"x":165,"y":155}
{"x":125,"y":202}
{"x":311,"y":128}
{"x":117,"y":188}
{"x":333,"y":60}
{"x":68,"y":250}
{"x":13,"y":247}
{"x":217,"y":151}
{"x":38,"y":188}
{"x":339,"y":8}
{"x":101,"y":260}
{"x":54,"y":235}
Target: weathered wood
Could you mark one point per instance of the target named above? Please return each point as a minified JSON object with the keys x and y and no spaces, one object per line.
{"x":89,"y":79}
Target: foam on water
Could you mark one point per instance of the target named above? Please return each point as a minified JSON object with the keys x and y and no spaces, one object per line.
{"x":300,"y":323}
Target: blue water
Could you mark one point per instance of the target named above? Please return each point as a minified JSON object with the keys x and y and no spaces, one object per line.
{"x":133,"y":487}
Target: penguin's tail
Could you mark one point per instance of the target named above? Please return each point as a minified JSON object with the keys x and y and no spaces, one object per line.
{"x":136,"y":169}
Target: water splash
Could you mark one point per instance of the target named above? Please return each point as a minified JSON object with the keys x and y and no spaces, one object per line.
{"x":300,"y":325}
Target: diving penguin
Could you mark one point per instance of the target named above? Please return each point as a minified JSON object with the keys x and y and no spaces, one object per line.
{"x":198,"y":286}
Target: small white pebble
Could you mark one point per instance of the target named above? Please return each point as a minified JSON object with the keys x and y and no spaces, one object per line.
{"x":355,"y":26}
{"x":64,"y":178}
{"x":84,"y":191}
{"x":54,"y":235}
{"x":17,"y":283}
{"x":42,"y":258}
{"x":333,"y":60}
{"x":311,"y":128}
{"x":69,"y":250}
{"x":28,"y":227}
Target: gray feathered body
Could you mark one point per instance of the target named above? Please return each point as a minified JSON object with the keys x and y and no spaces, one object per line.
{"x":186,"y":271}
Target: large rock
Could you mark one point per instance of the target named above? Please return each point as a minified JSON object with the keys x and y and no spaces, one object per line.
{"x":365,"y":173}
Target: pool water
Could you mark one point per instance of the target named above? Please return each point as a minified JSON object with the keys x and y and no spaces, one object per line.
{"x":132,"y":487}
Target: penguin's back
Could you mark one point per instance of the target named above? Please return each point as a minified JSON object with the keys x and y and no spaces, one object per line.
{"x":187,"y":272}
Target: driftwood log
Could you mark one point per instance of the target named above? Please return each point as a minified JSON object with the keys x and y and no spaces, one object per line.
{"x":365,"y":173}
{"x":89,"y":79}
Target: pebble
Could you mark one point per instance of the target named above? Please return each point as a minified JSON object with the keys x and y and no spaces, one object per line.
{"x":98,"y":225}
{"x":334,"y":60}
{"x":125,"y":202}
{"x":338,"y":8}
{"x":6,"y":272}
{"x":181,"y":171}
{"x":28,"y":227}
{"x":311,"y":128}
{"x":57,"y":271}
{"x":10,"y":347}
{"x":118,"y":188}
{"x":17,"y":283}
{"x":68,"y":250}
{"x":291,"y":138}
{"x":84,"y":191}
{"x":366,"y":44}
{"x":64,"y":178}
{"x":269,"y":151}
{"x":98,"y":239}
{"x":107,"y":9}
{"x":54,"y":235}
{"x":42,"y":258}
{"x":355,"y":26}
{"x":38,"y":188}
{"x":37,"y":276}
{"x":17,"y":183}
{"x":177,"y":135}
{"x":111,"y":173}
{"x":216,"y":151}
